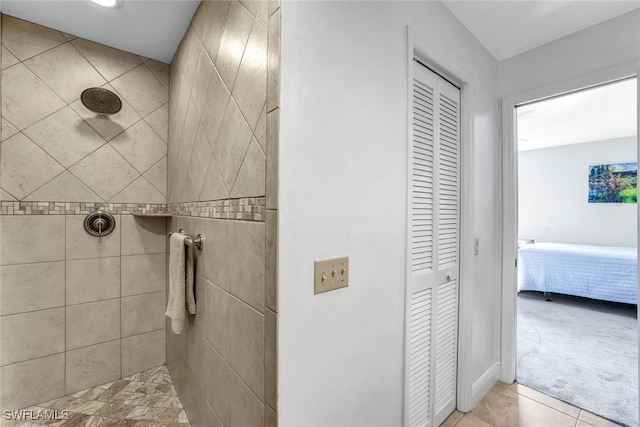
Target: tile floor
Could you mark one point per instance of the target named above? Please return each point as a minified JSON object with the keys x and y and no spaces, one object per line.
{"x":517,"y":405}
{"x":147,"y":399}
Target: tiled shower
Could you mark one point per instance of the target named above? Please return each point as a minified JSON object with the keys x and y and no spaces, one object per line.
{"x":195,"y":148}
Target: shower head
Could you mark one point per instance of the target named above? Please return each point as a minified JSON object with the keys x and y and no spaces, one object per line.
{"x":100,"y":100}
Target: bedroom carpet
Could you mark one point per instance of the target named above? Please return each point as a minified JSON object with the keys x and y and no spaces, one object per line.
{"x":581,"y":351}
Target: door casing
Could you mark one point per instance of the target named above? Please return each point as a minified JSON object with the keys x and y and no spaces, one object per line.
{"x":510,"y":198}
{"x":445,"y":64}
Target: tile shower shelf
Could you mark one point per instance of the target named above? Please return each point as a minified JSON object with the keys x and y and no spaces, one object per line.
{"x":155,"y":215}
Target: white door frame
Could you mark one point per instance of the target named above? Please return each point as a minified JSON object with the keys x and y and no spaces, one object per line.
{"x":445,"y":63}
{"x":510,"y":197}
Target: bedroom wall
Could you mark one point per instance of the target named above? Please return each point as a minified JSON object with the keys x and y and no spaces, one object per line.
{"x":553,"y":186}
{"x":613,"y":43}
{"x":342,"y":192}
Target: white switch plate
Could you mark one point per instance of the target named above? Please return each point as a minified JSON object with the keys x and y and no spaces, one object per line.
{"x":330,"y":274}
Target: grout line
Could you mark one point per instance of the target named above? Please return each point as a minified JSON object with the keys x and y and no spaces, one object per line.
{"x":36,"y":262}
{"x":64,"y":379}
{"x":558,"y":401}
{"x":153,"y":112}
{"x":37,"y":54}
{"x":154,"y":74}
{"x":35,"y":358}
{"x":16,"y":127}
{"x":156,"y":164}
{"x":87,"y":59}
{"x":34,"y":311}
{"x":276,"y":10}
{"x":94,"y":67}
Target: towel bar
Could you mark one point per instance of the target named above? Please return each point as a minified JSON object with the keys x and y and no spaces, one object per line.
{"x":189,"y":241}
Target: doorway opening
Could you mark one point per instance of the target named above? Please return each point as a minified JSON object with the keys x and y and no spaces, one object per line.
{"x":577,"y":257}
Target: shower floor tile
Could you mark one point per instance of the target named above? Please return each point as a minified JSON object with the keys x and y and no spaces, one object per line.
{"x":147,"y":399}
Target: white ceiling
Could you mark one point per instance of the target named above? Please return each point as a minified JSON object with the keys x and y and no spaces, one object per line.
{"x":151,"y":28}
{"x":600,"y":113}
{"x":508,"y":28}
{"x":154,"y":28}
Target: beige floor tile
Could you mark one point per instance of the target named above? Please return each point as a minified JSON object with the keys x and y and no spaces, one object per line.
{"x":506,"y":408}
{"x":472,"y":421}
{"x":548,"y":400}
{"x":452,"y":419}
{"x":594,"y":420}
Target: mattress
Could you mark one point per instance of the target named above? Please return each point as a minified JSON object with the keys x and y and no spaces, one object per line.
{"x":598,"y":272}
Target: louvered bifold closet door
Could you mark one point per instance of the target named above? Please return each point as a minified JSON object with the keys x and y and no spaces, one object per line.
{"x":432,"y":246}
{"x":448,"y":220}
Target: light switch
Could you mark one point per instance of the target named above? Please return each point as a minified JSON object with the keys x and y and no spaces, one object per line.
{"x":330,"y":274}
{"x":476,"y":246}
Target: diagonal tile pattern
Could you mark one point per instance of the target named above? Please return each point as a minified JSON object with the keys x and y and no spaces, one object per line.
{"x":142,"y":89}
{"x":20,"y":155}
{"x":24,"y":39}
{"x":67,"y":144}
{"x":146,"y":399}
{"x":7,"y":58}
{"x":109,"y":62}
{"x":8,"y":130}
{"x":25,"y":98}
{"x":116,"y":172}
{"x":53,"y":68}
{"x":46,"y":130}
{"x":220,"y":131}
{"x":219,"y":85}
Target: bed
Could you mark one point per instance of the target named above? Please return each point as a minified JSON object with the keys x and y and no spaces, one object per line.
{"x":598,"y":272}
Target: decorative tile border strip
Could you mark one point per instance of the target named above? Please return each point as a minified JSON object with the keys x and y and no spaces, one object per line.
{"x":78,"y":208}
{"x":247,"y":209}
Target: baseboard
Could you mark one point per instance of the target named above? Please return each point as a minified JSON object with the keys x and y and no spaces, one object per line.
{"x":486,"y":381}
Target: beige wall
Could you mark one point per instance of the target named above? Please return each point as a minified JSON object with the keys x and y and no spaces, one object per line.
{"x":53,"y":148}
{"x":76,"y":310}
{"x":222,"y":147}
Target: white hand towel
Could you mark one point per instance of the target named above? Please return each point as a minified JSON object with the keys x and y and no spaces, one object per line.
{"x":189,"y":284}
{"x":176,"y":299}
